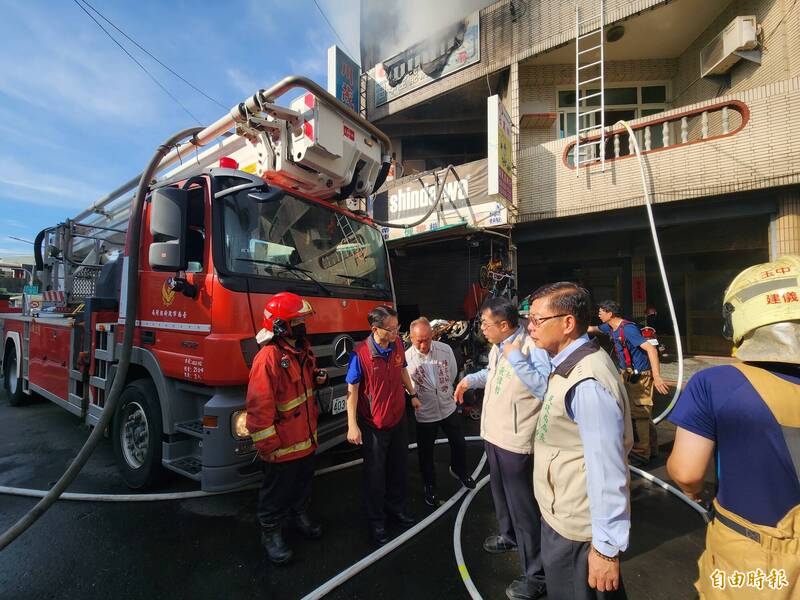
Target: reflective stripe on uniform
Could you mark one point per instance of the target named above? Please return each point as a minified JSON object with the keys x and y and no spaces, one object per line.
{"x":293,"y":448}
{"x":286,"y":406}
{"x":263,"y":434}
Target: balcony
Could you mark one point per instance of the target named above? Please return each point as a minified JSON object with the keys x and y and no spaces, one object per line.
{"x":731,"y":144}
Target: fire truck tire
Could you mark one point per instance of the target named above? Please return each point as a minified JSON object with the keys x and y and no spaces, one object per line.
{"x":11,"y":382}
{"x":137,"y":435}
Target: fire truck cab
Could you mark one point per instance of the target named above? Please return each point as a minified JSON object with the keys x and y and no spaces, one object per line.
{"x":277,"y":205}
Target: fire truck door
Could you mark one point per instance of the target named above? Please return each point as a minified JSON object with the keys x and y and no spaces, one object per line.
{"x":49,"y":359}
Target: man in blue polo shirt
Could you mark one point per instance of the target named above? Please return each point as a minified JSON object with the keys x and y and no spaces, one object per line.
{"x":376,"y":418}
{"x":640,"y":368}
{"x":748,"y":415}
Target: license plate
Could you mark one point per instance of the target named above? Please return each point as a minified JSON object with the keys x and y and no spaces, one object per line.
{"x":338,"y":405}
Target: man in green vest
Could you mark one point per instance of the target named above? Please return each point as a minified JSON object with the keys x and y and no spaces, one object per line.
{"x":515,"y":381}
{"x":581,"y":444}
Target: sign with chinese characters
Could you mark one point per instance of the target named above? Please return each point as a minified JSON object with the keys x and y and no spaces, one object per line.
{"x":444,"y":53}
{"x":501,"y":162}
{"x":344,"y":78}
{"x":463,"y":200}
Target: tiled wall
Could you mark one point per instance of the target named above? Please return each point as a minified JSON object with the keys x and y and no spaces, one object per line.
{"x":760,"y":156}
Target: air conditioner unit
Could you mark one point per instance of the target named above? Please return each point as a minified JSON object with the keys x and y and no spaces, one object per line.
{"x":721,"y":53}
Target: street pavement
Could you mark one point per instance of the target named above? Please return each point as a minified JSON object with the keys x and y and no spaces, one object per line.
{"x":209,"y":547}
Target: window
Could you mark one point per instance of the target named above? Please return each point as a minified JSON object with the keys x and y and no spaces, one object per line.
{"x":621,"y":103}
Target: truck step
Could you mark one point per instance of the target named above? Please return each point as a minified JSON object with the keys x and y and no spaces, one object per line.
{"x":193,"y":428}
{"x":188,"y":466}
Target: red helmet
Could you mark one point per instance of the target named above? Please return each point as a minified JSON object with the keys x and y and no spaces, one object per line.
{"x":279,"y":311}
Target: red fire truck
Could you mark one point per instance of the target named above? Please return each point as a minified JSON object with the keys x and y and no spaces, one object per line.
{"x":276,"y":202}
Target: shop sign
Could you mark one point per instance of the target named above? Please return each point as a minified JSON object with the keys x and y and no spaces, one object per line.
{"x":343,"y":78}
{"x":501,"y":161}
{"x":444,"y":53}
{"x":463,"y":200}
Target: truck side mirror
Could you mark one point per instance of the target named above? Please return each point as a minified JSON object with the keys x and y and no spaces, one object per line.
{"x":168,"y":225}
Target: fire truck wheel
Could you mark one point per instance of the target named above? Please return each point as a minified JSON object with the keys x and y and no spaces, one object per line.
{"x":11,"y":381}
{"x":137,"y":435}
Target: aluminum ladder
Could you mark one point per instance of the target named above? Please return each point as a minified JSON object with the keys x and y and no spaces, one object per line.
{"x":589,"y":69}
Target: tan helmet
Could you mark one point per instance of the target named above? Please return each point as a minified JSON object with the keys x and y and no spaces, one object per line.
{"x":761,"y":295}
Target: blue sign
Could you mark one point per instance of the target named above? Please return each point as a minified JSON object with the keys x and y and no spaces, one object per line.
{"x":30,"y":289}
{"x":344,"y":78}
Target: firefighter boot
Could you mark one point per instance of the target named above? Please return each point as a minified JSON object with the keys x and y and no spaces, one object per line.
{"x":307,"y":528}
{"x":275,"y":547}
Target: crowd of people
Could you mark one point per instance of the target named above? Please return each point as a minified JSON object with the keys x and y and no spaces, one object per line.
{"x":561,"y":422}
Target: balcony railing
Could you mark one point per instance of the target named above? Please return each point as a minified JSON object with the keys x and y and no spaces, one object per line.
{"x":677,"y":130}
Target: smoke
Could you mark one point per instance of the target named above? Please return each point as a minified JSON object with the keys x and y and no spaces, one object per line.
{"x":394,"y":25}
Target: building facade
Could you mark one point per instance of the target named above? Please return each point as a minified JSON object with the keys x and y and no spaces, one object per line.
{"x":719,"y":150}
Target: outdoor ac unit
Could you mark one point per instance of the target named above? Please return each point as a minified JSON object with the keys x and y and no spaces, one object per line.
{"x":721,"y":53}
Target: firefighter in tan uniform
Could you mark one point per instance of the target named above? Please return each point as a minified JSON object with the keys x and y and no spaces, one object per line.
{"x":747,"y":415}
{"x":282,"y":420}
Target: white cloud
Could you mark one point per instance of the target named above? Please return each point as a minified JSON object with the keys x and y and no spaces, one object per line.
{"x":38,"y":187}
{"x":244,"y":82}
{"x":72,"y":70}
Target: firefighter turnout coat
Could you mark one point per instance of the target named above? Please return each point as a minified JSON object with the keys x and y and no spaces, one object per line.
{"x":281,"y":408}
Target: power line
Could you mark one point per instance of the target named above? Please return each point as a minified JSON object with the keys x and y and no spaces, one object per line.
{"x":336,"y":33}
{"x":146,"y":51}
{"x":141,"y":66}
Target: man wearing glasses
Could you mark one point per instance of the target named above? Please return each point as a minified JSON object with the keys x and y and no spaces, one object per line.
{"x":582,"y":439}
{"x":376,"y":418}
{"x":515,"y":380}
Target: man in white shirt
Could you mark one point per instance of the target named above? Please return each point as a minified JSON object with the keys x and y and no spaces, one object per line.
{"x":432,"y":366}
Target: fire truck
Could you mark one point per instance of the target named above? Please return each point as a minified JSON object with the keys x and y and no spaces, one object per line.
{"x":275,"y":201}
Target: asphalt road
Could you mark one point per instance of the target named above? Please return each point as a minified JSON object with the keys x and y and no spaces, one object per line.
{"x":209,"y":547}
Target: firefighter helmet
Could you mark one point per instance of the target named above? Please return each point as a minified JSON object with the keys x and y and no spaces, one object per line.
{"x":761,"y":295}
{"x":279,"y":311}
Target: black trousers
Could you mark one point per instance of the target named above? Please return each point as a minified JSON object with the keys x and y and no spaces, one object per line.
{"x":517,"y":511}
{"x":567,"y":569}
{"x":385,"y":469}
{"x":285,"y":489}
{"x":426,"y":436}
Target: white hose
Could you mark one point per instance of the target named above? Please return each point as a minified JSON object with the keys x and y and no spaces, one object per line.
{"x":15,"y":491}
{"x":462,"y":567}
{"x":673,"y":490}
{"x":657,"y":245}
{"x":352,"y":570}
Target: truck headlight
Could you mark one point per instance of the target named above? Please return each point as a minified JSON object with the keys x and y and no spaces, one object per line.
{"x":239,"y":425}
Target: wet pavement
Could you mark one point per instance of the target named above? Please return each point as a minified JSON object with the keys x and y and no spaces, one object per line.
{"x":209,"y":548}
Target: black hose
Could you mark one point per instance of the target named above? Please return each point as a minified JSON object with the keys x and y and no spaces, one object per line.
{"x":37,"y":250}
{"x":430,"y":211}
{"x":132,"y":298}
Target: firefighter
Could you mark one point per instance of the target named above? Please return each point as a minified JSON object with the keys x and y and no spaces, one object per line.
{"x":748,"y":415}
{"x":282,"y":420}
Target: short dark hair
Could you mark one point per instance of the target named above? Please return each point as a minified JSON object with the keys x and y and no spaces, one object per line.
{"x":503,"y":309}
{"x":568,"y":298}
{"x":379,"y":314}
{"x":611,"y":306}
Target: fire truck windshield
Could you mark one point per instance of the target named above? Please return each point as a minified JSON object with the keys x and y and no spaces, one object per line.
{"x":289,"y":237}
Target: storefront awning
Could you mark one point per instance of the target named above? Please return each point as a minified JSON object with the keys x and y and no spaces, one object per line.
{"x":445,"y":232}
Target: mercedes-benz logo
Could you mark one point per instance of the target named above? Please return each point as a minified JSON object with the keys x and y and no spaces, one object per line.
{"x":342,"y":348}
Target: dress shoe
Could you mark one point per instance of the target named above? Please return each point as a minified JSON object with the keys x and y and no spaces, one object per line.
{"x":307,"y":528}
{"x":497,"y":544}
{"x":275,"y":547}
{"x":378,"y":533}
{"x":520,"y":589}
{"x":403,"y":519}
{"x":467,"y":481}
{"x":430,"y":496}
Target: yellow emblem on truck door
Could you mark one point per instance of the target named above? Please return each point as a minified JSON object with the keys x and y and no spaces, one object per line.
{"x":167,"y":293}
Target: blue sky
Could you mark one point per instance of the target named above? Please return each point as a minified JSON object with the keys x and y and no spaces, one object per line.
{"x":78,"y":117}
